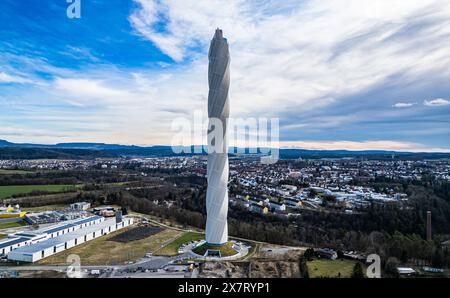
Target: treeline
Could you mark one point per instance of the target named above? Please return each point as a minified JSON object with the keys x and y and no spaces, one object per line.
{"x":54,"y":153}
{"x":67,"y":177}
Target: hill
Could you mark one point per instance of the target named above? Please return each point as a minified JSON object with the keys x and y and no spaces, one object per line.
{"x":10,"y":150}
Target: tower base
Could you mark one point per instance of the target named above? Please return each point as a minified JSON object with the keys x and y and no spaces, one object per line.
{"x":216,"y":250}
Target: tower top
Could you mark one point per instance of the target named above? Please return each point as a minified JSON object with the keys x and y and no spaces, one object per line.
{"x":219,"y":33}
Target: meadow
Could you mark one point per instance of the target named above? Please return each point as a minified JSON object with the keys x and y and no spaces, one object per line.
{"x":10,"y":190}
{"x":331,"y":268}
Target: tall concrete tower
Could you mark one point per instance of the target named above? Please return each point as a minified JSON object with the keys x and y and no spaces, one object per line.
{"x":217,"y":169}
{"x":429,"y":235}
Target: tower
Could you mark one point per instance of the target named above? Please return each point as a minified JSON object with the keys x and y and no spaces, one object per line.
{"x":217,"y":168}
{"x":429,"y":235}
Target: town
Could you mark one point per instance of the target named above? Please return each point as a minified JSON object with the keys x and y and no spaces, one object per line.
{"x":286,"y":187}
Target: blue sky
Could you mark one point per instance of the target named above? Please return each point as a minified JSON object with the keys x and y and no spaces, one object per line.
{"x":344,"y":74}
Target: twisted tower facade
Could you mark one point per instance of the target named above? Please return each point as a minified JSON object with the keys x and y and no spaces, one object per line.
{"x":217,"y":169}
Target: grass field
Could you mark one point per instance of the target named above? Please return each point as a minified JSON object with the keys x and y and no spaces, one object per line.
{"x":226,"y":250}
{"x":331,"y":268}
{"x":3,"y":236}
{"x":45,"y":208}
{"x":10,"y":190}
{"x":13,"y":224}
{"x":171,"y":249}
{"x":12,"y":172}
{"x":100,"y":251}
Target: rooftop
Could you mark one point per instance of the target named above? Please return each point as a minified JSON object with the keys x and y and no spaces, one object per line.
{"x":64,"y":238}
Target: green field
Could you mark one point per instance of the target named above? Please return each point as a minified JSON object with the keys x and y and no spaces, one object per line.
{"x":13,"y":224}
{"x":331,"y":268}
{"x":171,"y":249}
{"x":11,"y":172}
{"x":3,"y":236}
{"x":226,"y":250}
{"x":10,"y":190}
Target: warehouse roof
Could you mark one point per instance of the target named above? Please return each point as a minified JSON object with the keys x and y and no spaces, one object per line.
{"x":11,"y":241}
{"x":64,"y":238}
{"x":68,"y":224}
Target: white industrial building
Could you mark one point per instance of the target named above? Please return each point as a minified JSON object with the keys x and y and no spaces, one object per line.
{"x":62,"y":237}
{"x":80,"y":206}
{"x":20,"y":239}
{"x":9,"y":244}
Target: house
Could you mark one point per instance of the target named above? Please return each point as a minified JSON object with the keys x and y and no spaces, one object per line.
{"x":289,"y":188}
{"x":256,"y":202}
{"x":276,"y":206}
{"x":258,"y":209}
{"x":291,"y":202}
{"x":327,"y":253}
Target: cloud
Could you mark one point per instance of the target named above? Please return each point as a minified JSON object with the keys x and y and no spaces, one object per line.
{"x":363,"y":145}
{"x":403,"y":105}
{"x":90,"y":91}
{"x":438,"y":102}
{"x":6,"y":78}
{"x":329,"y":70}
{"x":303,"y":55}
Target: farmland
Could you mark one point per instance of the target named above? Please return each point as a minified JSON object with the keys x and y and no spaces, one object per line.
{"x":330,"y":268}
{"x":11,"y":190}
{"x":14,"y":172}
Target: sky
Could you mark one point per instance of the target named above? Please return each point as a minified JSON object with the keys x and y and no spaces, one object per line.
{"x":341,"y":74}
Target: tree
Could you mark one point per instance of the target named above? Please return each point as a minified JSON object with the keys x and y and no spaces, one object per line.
{"x":309,"y":254}
{"x":438,"y":259}
{"x":390,"y":268}
{"x":358,"y":271}
{"x":303,"y":267}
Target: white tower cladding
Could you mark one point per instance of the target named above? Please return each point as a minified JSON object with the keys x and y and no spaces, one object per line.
{"x":218,"y":113}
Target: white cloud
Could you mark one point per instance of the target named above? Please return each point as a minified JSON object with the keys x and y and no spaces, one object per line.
{"x":6,"y":78}
{"x":362,"y":145}
{"x":401,"y":105}
{"x":303,"y":55}
{"x":296,"y":57}
{"x":438,"y":102}
{"x":81,"y":92}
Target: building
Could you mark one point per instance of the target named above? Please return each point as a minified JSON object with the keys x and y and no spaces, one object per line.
{"x":80,"y":206}
{"x":67,"y":237}
{"x":445,"y":245}
{"x":105,"y":211}
{"x":9,"y":244}
{"x":292,"y":202}
{"x":11,"y":212}
{"x":258,"y":209}
{"x":327,"y":253}
{"x":217,"y":166}
{"x":20,"y":239}
{"x":44,"y":217}
{"x":276,"y":206}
